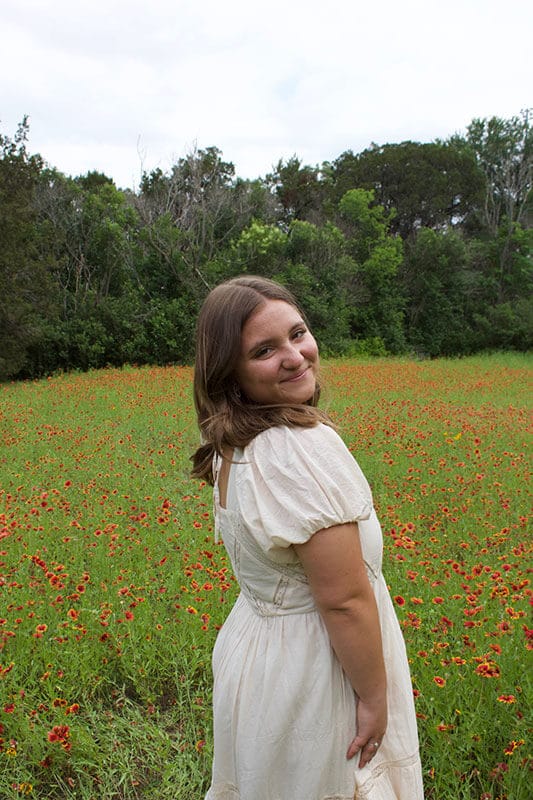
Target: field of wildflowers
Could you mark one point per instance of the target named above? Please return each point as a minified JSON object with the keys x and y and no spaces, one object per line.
{"x":112,"y":589}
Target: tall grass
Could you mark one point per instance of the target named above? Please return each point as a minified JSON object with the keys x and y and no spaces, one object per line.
{"x":112,"y":589}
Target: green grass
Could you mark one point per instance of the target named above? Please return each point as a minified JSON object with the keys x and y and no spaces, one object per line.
{"x":112,"y":589}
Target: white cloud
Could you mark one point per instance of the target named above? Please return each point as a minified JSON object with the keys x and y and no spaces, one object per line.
{"x":102,"y":81}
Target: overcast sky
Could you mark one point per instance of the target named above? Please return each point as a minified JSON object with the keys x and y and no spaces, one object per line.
{"x":122,"y":86}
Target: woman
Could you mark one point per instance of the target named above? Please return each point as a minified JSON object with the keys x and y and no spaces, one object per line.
{"x":312,"y":694}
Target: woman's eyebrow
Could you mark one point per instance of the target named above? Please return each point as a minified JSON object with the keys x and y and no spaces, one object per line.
{"x":260,"y":344}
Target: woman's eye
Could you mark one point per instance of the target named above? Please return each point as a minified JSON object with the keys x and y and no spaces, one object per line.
{"x":299,"y":333}
{"x":264,"y":351}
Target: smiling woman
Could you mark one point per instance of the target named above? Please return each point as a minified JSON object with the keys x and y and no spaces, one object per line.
{"x":312,"y":694}
{"x":239,"y":351}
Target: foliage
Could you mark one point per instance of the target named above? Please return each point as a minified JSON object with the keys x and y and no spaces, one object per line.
{"x":439,"y":285}
{"x":378,"y":312}
{"x":503,"y":149}
{"x":431,"y":185}
{"x":299,"y":190}
{"x":259,"y":249}
{"x":420,"y":247}
{"x":24,"y":282}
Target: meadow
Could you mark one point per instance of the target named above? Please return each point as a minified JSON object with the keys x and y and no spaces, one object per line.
{"x":112,"y":589}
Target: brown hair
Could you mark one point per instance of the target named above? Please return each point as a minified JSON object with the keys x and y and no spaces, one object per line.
{"x":226,"y":417}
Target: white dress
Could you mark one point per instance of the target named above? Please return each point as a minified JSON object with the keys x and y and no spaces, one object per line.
{"x":283,"y":708}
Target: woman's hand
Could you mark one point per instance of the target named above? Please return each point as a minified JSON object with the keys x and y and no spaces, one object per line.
{"x":371,"y":723}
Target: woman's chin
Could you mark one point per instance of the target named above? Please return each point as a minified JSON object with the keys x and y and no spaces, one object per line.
{"x":300,"y":396}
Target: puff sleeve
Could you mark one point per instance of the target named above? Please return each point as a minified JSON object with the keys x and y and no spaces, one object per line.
{"x":293,"y":482}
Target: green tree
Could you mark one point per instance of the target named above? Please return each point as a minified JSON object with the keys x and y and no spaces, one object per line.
{"x":190,"y":221}
{"x":503,"y":149}
{"x":25,"y":295}
{"x":88,"y":229}
{"x":259,"y":249}
{"x":92,"y":181}
{"x":93,"y":233}
{"x":299,"y":190}
{"x":108,"y":226}
{"x":507,"y":326}
{"x":376,"y":299}
{"x":197,"y":200}
{"x":433,"y":185}
{"x":503,"y":311}
{"x":441,"y":291}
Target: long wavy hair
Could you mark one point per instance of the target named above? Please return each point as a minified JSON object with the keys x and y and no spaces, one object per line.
{"x":226,"y":417}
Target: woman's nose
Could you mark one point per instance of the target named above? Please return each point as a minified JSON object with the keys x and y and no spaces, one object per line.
{"x":292,"y":356}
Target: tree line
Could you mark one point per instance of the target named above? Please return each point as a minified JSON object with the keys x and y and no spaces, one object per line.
{"x":422,"y":248}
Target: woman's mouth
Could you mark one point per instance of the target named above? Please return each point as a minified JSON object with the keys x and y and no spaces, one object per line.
{"x":297,"y":377}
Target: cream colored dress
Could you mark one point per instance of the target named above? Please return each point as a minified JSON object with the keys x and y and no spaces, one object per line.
{"x":284,"y":710}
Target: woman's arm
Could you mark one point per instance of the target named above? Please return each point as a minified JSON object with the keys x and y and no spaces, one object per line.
{"x":333,"y":562}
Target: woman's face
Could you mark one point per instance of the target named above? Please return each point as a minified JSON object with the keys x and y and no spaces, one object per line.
{"x":278,"y":361}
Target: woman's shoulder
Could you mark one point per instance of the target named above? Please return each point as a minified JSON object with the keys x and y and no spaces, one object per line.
{"x":283,"y":439}
{"x":303,"y":480}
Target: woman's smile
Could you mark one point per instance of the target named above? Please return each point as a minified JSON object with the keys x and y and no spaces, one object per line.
{"x":293,"y":378}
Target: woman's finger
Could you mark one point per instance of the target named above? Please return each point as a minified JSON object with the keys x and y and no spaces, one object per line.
{"x":369,"y":751}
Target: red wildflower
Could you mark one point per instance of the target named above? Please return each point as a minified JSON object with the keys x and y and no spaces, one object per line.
{"x":512,"y":746}
{"x":498,"y":770}
{"x":61,"y":735}
{"x":488,"y":669}
{"x":507,"y":698}
{"x":399,"y":600}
